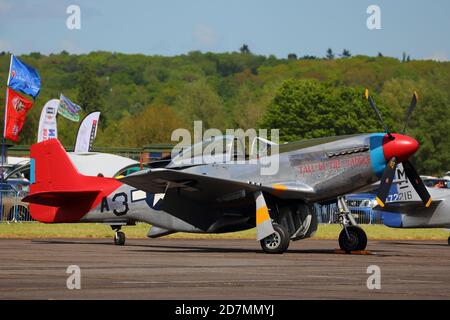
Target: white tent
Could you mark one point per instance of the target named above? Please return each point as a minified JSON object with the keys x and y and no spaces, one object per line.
{"x":17,"y":160}
{"x":89,"y":163}
{"x":93,"y":163}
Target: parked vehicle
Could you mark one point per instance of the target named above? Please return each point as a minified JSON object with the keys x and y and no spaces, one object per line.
{"x":361,"y":206}
{"x":447,"y":176}
{"x":437,"y":183}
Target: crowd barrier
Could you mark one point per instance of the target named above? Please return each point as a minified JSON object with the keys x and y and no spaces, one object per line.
{"x":363,"y":215}
{"x":12,"y":207}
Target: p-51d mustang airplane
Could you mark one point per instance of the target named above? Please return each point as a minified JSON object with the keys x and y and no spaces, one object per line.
{"x":229,"y":196}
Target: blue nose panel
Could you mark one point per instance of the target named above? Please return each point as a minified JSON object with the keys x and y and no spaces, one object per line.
{"x":376,"y":153}
{"x":32,"y":171}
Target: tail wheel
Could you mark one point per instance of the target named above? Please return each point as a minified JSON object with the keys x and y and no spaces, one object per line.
{"x":278,"y":242}
{"x":354,"y":241}
{"x":119,"y":238}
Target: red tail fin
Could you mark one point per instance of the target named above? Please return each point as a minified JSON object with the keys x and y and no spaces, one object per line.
{"x":59,"y":193}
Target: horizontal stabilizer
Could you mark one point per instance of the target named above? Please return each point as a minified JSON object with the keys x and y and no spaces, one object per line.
{"x":408,"y":207}
{"x":59,"y":198}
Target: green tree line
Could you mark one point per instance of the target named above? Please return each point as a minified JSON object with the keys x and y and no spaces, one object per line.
{"x":143,"y":98}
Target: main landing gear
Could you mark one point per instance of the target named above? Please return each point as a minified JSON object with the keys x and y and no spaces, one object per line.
{"x":277,"y":242}
{"x":119,"y":237}
{"x":352,"y":237}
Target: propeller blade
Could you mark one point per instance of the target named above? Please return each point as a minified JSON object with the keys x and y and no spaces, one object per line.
{"x":414,"y":100}
{"x":374,"y":107}
{"x":417,"y":183}
{"x":386,"y":181}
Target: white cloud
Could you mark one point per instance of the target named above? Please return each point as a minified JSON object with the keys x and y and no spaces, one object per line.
{"x":205,"y":36}
{"x":5,"y":46}
{"x":439,"y":56}
{"x":5,"y":7}
{"x":160,"y":46}
{"x":70,"y":47}
{"x":42,"y":9}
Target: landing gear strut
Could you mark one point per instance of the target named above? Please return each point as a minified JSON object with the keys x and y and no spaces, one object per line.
{"x":277,"y":242}
{"x":119,"y":237}
{"x":352,"y":237}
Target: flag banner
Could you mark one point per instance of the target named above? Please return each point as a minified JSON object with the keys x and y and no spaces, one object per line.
{"x":68,"y":109}
{"x":24,"y":78}
{"x":87,"y":132}
{"x":16,"y":113}
{"x":47,"y":123}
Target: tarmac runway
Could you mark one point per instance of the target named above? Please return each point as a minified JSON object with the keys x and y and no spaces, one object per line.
{"x":220,"y":269}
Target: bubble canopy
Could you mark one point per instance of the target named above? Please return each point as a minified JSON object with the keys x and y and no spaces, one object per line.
{"x":220,"y":149}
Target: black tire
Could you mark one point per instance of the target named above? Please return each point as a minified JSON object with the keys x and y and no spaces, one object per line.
{"x":119,"y":238}
{"x":448,"y":241}
{"x":278,"y":242}
{"x":357,"y":240}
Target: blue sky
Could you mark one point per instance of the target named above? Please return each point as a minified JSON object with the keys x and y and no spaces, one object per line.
{"x":169,"y":27}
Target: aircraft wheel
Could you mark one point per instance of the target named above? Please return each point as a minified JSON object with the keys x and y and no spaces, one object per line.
{"x":119,"y":238}
{"x":356,"y":239}
{"x":448,"y":241}
{"x":278,"y":242}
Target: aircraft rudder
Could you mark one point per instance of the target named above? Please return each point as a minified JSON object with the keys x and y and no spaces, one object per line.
{"x":51,"y":168}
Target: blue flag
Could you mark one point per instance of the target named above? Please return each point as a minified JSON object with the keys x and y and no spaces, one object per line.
{"x":23,"y":78}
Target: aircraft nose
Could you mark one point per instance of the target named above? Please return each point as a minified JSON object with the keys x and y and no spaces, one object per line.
{"x":401,"y":147}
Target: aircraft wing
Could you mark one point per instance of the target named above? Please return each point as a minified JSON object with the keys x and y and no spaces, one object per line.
{"x":208,"y":188}
{"x":408,"y":207}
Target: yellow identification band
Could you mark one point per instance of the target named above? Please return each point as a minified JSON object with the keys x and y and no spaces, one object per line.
{"x":262,"y":215}
{"x":381,"y":203}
